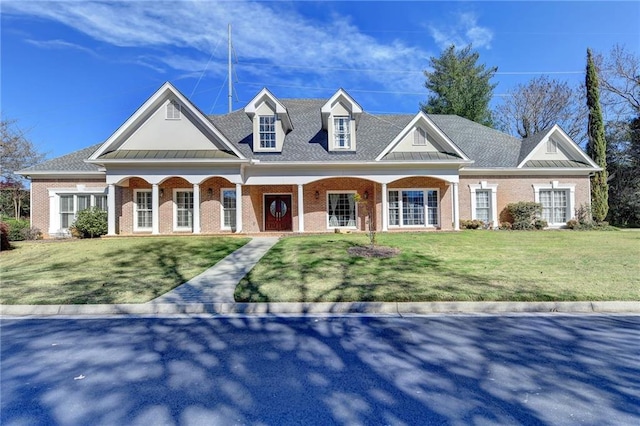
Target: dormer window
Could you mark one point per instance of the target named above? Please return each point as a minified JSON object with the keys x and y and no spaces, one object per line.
{"x":342,"y":132}
{"x":173,"y":111}
{"x":268,"y":131}
{"x":419,"y":137}
{"x":552,"y":146}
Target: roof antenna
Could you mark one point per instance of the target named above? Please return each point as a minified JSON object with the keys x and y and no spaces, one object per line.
{"x":230,"y":80}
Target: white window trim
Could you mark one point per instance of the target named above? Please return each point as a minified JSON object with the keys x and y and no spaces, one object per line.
{"x":175,"y":210}
{"x":327,"y":209}
{"x":222,"y":226}
{"x":176,"y":107}
{"x":571,"y":187}
{"x":494,"y":199}
{"x":426,"y":208}
{"x":275,"y":134}
{"x":551,"y":147}
{"x":349,"y":133}
{"x":137,"y":228}
{"x":54,"y":204}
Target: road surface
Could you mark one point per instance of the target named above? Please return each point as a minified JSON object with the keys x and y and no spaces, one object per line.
{"x":321,"y":370}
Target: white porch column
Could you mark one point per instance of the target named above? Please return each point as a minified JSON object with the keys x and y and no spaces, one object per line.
{"x":300,"y":209}
{"x":456,"y":207}
{"x":238,"y":208}
{"x":196,"y":208}
{"x":155,"y":209}
{"x":111,"y":210}
{"x":385,"y":209}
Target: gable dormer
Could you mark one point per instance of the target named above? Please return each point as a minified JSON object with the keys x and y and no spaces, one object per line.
{"x":422,"y":140}
{"x":340,"y":118}
{"x":553,"y":148}
{"x":271,"y":122}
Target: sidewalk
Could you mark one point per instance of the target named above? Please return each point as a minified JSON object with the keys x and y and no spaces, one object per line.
{"x":218,"y":283}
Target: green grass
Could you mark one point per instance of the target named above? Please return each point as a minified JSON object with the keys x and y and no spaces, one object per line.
{"x":461,"y":266}
{"x":117,"y":270}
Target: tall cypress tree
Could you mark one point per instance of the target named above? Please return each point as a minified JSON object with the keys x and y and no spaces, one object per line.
{"x":597,"y":144}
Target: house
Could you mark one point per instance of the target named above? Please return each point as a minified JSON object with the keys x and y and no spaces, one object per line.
{"x":295,"y":165}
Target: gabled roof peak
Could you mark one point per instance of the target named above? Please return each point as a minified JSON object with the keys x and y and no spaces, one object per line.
{"x":280,"y":110}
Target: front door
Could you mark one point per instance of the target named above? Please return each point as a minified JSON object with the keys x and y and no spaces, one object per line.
{"x":277,"y":213}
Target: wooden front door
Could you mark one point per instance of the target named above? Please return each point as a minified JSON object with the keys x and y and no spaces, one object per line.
{"x":277,"y":213}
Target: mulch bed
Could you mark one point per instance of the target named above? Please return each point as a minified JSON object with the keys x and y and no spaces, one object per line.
{"x":375,"y":251}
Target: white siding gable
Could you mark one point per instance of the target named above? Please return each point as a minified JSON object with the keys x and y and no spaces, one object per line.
{"x":561,"y":153}
{"x":159,"y":133}
{"x":407,"y":143}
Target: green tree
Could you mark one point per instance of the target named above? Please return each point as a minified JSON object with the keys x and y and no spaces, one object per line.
{"x":458,"y":85}
{"x":596,"y":143}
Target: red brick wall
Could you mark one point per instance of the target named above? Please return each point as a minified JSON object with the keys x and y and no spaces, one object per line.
{"x":40,"y":198}
{"x":512,"y":189}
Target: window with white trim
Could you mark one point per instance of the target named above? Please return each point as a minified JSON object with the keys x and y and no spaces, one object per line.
{"x":228,"y":205}
{"x":483,"y":205}
{"x":341,"y":209}
{"x":552,"y":146}
{"x":144,"y":209}
{"x":419,"y":137}
{"x":342,"y":132}
{"x":555,"y":205}
{"x":413,"y":207}
{"x":173,"y":111}
{"x":183,"y":202}
{"x":71,"y":204}
{"x":267,"y":131}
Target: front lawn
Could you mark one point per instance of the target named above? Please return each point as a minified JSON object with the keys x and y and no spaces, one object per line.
{"x":461,"y":266}
{"x":116,"y":270}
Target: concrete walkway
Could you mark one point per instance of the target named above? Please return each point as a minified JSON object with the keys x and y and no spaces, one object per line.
{"x":217,"y":284}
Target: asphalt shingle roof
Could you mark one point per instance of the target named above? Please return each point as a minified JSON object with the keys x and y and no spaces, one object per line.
{"x":307,"y":142}
{"x":73,"y":162}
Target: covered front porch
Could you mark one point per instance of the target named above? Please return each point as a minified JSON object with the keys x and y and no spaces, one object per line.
{"x":232,"y":203}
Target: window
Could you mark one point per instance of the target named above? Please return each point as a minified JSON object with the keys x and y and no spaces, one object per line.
{"x":342,"y":133}
{"x":144,"y":215}
{"x":101,"y":202}
{"x":173,"y":111}
{"x":419,"y":137}
{"x":554,"y":205}
{"x":71,"y":204}
{"x":228,"y":208}
{"x":483,"y":205}
{"x":341,"y":210}
{"x":183,"y":209}
{"x":413,"y":207}
{"x":558,"y":201}
{"x":268,"y":131}
{"x":552,"y":146}
{"x":67,"y":211}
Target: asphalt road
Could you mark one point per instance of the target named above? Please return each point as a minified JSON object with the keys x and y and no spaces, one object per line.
{"x":524,"y":369}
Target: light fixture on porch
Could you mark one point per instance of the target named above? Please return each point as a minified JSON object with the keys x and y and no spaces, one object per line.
{"x":366,"y":195}
{"x":317,"y":195}
{"x":161,"y":193}
{"x":210,"y":192}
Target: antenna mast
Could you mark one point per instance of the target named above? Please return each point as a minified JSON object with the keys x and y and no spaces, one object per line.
{"x":230,"y":72}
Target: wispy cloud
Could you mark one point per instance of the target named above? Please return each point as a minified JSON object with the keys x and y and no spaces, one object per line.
{"x":465,"y":31}
{"x":60,"y":45}
{"x":279,"y":41}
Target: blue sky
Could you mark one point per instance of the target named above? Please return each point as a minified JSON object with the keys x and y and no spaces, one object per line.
{"x":73,"y":71}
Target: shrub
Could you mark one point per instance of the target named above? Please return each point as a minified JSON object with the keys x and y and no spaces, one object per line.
{"x":506,"y":226}
{"x":91,"y":223}
{"x":16,"y":228}
{"x":524,"y":214}
{"x":32,"y":233}
{"x":471,"y":224}
{"x":540,"y":224}
{"x":4,"y":237}
{"x":573,"y":224}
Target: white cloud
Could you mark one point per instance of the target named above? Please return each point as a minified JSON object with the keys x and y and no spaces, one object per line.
{"x":59,"y":44}
{"x":465,"y":31}
{"x":290,"y":45}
